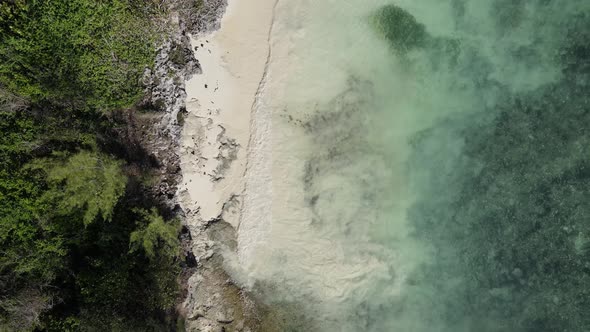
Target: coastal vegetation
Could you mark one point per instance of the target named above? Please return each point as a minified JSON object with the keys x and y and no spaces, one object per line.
{"x":84,"y":244}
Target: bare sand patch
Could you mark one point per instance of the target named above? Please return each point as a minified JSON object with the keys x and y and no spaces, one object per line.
{"x":214,"y":145}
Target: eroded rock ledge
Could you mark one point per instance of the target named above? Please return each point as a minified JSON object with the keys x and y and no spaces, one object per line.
{"x":210,"y":301}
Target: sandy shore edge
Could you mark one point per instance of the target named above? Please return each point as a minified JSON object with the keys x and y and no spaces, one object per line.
{"x":213,"y":157}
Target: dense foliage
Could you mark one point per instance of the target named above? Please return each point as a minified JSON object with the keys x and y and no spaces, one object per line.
{"x":77,"y":53}
{"x":83,"y":245}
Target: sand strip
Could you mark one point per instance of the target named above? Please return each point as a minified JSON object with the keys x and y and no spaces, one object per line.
{"x":213,"y":156}
{"x":219,"y":104}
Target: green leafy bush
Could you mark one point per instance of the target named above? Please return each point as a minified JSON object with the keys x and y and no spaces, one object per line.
{"x":78,"y":53}
{"x":88,"y":182}
{"x":156,"y":236}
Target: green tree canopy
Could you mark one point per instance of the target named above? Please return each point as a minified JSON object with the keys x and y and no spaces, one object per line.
{"x":78,"y":53}
{"x":155,"y":235}
{"x":87,"y":182}
{"x":68,"y":203}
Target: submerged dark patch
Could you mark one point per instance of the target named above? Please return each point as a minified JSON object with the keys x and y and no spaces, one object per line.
{"x":508,"y":218}
{"x":400,"y":28}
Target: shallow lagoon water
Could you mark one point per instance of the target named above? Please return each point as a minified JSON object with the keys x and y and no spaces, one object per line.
{"x":436,"y":187}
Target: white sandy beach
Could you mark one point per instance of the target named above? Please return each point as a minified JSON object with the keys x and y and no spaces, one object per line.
{"x":247,"y":103}
{"x":219,"y":104}
{"x":213,"y":155}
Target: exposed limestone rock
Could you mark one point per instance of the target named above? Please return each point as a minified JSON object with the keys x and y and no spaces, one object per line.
{"x":210,"y":300}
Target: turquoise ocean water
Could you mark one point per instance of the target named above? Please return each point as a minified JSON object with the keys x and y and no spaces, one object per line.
{"x":437,"y":156}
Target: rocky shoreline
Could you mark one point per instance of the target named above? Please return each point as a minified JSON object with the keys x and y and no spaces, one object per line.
{"x":210,"y":300}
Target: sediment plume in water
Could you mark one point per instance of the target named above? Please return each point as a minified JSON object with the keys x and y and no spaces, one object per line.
{"x":430,"y":167}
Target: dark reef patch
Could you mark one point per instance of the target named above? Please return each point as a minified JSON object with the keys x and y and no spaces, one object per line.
{"x":508,"y":217}
{"x":400,"y":28}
